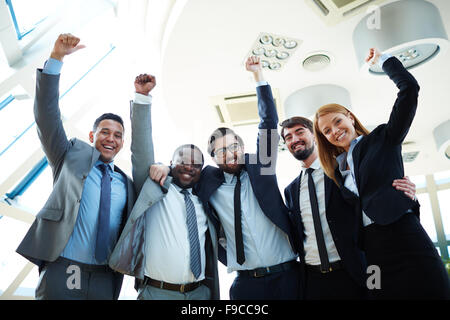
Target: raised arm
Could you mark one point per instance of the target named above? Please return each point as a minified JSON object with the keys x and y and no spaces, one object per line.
{"x":142,"y":152}
{"x":267,"y":142}
{"x":46,"y":104}
{"x":405,"y":105}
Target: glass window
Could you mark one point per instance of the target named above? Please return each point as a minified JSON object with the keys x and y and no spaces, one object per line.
{"x":34,"y":198}
{"x":27,"y":15}
{"x":444,"y":205}
{"x":442,"y":177}
{"x":419,"y":181}
{"x":11,"y":233}
{"x":426,"y":216}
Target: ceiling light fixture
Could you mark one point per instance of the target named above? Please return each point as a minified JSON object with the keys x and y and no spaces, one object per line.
{"x":306,"y":101}
{"x":410,"y":30}
{"x":274,"y":50}
{"x":442,"y":138}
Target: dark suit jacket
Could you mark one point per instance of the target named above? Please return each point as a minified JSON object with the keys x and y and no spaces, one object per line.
{"x":378,"y":158}
{"x":71,"y":162}
{"x":344,"y":223}
{"x":260,"y":168}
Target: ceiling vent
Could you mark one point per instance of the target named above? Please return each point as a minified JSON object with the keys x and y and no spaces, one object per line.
{"x":334,"y":11}
{"x":240,"y":109}
{"x":409,"y":156}
{"x":316,"y":62}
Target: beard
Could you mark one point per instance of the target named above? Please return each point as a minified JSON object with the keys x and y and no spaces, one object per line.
{"x":233,"y":165}
{"x":303,"y":154}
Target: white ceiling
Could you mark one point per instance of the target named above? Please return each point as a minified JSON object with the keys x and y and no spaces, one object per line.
{"x":204,"y":49}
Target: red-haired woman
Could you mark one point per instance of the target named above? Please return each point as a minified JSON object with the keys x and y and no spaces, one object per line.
{"x":364,"y":165}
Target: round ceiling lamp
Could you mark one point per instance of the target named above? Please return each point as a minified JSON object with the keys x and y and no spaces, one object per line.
{"x":306,"y":101}
{"x":442,"y":138}
{"x":411,"y":30}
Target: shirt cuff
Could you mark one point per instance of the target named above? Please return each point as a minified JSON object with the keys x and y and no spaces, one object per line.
{"x":383,"y":58}
{"x":52,"y":66}
{"x":262,"y":83}
{"x":142,"y":99}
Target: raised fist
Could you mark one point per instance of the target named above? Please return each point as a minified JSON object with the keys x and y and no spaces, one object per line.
{"x":253,"y":64}
{"x":144,"y":83}
{"x":64,"y":45}
{"x":373,"y":56}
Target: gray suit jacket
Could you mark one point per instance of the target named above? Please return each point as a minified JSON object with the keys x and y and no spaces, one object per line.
{"x":71,"y":161}
{"x":128,"y":256}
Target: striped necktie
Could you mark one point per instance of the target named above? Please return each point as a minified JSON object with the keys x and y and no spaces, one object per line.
{"x":194,"y":243}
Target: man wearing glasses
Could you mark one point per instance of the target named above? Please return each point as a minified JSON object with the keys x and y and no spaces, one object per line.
{"x":243,"y":193}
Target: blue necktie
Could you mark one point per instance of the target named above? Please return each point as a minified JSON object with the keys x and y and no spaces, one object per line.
{"x":194,"y":243}
{"x":101,"y":249}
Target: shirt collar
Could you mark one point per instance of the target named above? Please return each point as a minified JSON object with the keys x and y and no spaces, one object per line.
{"x":110,"y":164}
{"x":178,"y":188}
{"x":231,"y":178}
{"x":315,"y":165}
{"x":342,"y":158}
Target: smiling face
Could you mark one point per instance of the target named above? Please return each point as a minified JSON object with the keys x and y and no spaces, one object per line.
{"x":187,"y":165}
{"x":338,"y":128}
{"x":107,"y":139}
{"x":300,"y":141}
{"x":228,"y":154}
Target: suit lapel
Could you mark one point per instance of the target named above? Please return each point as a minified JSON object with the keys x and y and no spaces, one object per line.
{"x":328,"y":187}
{"x":355,"y":156}
{"x":296,"y":186}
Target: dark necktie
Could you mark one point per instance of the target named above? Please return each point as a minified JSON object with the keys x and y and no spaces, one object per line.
{"x":240,"y":256}
{"x":194,"y":243}
{"x":325,"y":264}
{"x":101,"y":249}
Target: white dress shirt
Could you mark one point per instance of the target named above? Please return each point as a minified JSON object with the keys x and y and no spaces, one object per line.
{"x":167,"y":252}
{"x":310,"y":243}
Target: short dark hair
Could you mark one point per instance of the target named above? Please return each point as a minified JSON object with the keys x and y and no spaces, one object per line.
{"x":219,"y":133}
{"x":191,"y":146}
{"x":108,"y":116}
{"x":293,"y":121}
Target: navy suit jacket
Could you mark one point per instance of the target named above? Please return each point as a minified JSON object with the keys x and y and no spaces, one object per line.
{"x":344,"y":222}
{"x":378,"y":158}
{"x":263,"y":179}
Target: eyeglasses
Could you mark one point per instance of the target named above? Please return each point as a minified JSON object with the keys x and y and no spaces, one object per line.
{"x":222,"y":151}
{"x":196,"y":166}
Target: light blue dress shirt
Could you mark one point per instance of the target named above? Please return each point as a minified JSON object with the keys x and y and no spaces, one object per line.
{"x":264,"y":243}
{"x":82,"y":242}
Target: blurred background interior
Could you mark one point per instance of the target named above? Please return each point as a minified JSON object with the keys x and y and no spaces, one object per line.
{"x":312,"y":53}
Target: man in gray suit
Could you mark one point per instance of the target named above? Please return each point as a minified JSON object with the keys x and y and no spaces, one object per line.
{"x":169,"y":243}
{"x":74,"y":234}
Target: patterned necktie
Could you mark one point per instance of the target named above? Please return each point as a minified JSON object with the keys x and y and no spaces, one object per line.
{"x":194,"y":243}
{"x":240,"y":255}
{"x":101,"y":249}
{"x":324,"y":262}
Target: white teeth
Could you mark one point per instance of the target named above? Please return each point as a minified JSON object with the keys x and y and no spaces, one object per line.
{"x":108,"y":147}
{"x":341,"y":136}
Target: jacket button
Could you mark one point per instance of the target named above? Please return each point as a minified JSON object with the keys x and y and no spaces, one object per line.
{"x":150,"y":203}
